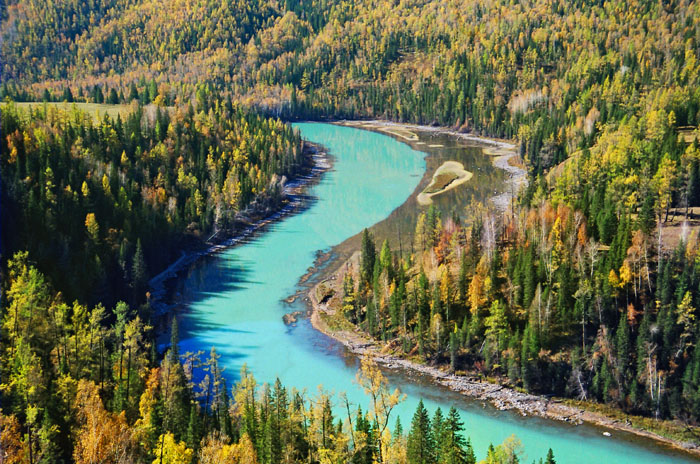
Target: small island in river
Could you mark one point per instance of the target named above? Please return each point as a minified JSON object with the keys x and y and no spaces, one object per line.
{"x":446,"y":177}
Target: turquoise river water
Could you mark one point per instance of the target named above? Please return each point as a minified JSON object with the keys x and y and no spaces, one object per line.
{"x":234,"y":301}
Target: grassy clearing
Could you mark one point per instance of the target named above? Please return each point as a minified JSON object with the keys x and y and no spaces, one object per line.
{"x":336,"y":322}
{"x":96,"y":110}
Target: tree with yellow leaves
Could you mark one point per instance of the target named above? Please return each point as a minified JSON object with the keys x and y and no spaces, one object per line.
{"x":383,"y":400}
{"x":686,"y":319}
{"x":664,"y":180}
{"x":476,"y":294}
{"x":216,"y":450}
{"x":170,"y":451}
{"x":93,"y":228}
{"x":144,"y":428}
{"x":102,"y":437}
{"x":13,"y":449}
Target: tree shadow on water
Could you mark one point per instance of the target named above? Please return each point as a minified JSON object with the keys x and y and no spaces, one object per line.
{"x":210,"y":277}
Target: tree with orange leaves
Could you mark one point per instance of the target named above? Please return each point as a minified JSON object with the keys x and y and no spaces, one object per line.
{"x":102,"y":437}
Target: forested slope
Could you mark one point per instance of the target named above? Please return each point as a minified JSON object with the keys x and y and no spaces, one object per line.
{"x":550,"y":73}
{"x":86,"y":384}
{"x":99,"y":203}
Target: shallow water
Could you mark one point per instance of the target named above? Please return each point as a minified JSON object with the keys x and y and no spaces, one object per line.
{"x":233,"y":301}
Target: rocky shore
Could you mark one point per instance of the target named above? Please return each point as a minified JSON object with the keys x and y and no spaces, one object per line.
{"x":501,"y":397}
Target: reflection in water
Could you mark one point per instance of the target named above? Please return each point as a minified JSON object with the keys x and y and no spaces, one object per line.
{"x":233,"y":300}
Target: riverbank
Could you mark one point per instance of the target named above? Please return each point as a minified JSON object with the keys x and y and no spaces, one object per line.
{"x":247,"y":223}
{"x":325,"y":319}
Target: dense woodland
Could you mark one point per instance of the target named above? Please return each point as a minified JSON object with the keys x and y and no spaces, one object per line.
{"x":554,"y":74}
{"x":578,"y":290}
{"x":85,"y":384}
{"x":538,"y":302}
{"x":102,"y":205}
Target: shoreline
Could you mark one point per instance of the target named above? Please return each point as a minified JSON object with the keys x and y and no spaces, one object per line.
{"x":500,"y":396}
{"x":294,"y":199}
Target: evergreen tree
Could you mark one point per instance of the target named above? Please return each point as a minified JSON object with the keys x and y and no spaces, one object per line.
{"x":420,"y":443}
{"x":440,"y":436}
{"x":368,"y":257}
{"x":174,"y":340}
{"x":67,"y":95}
{"x":113,"y":97}
{"x":622,"y":348}
{"x":550,"y":457}
{"x":456,"y":449}
{"x":139,"y":276}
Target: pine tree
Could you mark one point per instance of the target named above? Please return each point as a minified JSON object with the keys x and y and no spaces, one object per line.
{"x":463,"y":280}
{"x":278,"y":419}
{"x":113,"y":97}
{"x":420,"y":443}
{"x":133,"y":92}
{"x":550,"y":457}
{"x":174,"y":340}
{"x":528,"y":359}
{"x":530,"y":280}
{"x":67,"y":95}
{"x":385,"y":259}
{"x":456,"y":449}
{"x":193,"y":435}
{"x":622,"y":348}
{"x":369,"y":254}
{"x":439,"y":433}
{"x":139,"y":275}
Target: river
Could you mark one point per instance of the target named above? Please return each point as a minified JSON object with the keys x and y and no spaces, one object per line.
{"x":234,"y":301}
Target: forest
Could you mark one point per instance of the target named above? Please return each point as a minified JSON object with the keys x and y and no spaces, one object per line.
{"x":102,"y":205}
{"x":86,"y":384}
{"x":582,"y":289}
{"x":586,"y":288}
{"x":552,"y":74}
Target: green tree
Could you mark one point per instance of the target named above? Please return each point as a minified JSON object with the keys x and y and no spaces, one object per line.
{"x":368,"y":258}
{"x":420,"y":445}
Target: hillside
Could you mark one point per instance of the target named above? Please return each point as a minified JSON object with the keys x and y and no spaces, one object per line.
{"x":549,"y":73}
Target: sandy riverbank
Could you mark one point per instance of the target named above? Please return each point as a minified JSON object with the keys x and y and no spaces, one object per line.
{"x":448,"y":176}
